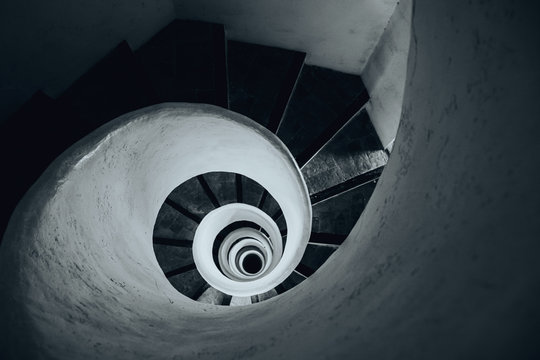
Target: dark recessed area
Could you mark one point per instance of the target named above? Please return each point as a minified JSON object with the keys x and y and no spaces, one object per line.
{"x":252,"y":264}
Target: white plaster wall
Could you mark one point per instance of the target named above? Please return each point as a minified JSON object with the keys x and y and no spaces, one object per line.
{"x":49,"y":44}
{"x":386,"y":72}
{"x":339,"y":35}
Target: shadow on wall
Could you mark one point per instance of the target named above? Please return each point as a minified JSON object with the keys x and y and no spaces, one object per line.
{"x":46,"y":45}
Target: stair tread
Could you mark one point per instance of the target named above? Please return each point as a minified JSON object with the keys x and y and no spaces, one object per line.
{"x":170,"y":257}
{"x":320,"y":98}
{"x":290,"y":282}
{"x":223,"y":185}
{"x":339,"y":214}
{"x":192,"y":196}
{"x":326,"y":238}
{"x":173,"y":225}
{"x":355,"y":150}
{"x":190,"y":283}
{"x":315,"y":256}
{"x":211,"y":296}
{"x":186,"y":62}
{"x":252,"y":191}
{"x":114,"y":86}
{"x":271,"y":206}
{"x":261,"y":80}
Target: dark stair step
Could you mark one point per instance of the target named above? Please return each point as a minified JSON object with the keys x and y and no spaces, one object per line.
{"x":359,"y":180}
{"x":255,"y":195}
{"x":223,"y":186}
{"x":114,"y":86}
{"x":226,"y":300}
{"x":325,"y":239}
{"x":194,"y":197}
{"x":338,"y":214}
{"x":294,"y":279}
{"x":261,"y":80}
{"x":172,"y":257}
{"x":172,"y":224}
{"x":173,"y":242}
{"x":323,"y":101}
{"x":354,"y":150}
{"x":304,"y":270}
{"x":187,"y":63}
{"x":271,"y":207}
{"x":264,"y":296}
{"x":251,"y":191}
{"x":177,"y":222}
{"x":180,"y":270}
{"x":314,"y":257}
{"x":182,"y":211}
{"x":189,"y":283}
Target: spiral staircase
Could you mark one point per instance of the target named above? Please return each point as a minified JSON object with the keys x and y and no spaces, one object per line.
{"x":442,"y":264}
{"x":316,"y":112}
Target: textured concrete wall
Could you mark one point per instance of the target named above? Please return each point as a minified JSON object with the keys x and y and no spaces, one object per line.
{"x":49,"y":44}
{"x":339,"y":35}
{"x":386,"y":72}
{"x":443,"y":263}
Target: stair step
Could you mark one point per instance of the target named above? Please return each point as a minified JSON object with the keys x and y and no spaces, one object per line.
{"x":240,"y":300}
{"x":261,"y":80}
{"x":223,"y":186}
{"x":346,"y":186}
{"x":271,"y":206}
{"x":265,"y":296}
{"x":293,"y":280}
{"x":304,"y":270}
{"x":322,"y":102}
{"x":172,"y":224}
{"x":114,"y":86}
{"x":184,"y":211}
{"x":315,"y":256}
{"x":208,"y":190}
{"x":173,"y":242}
{"x":187,"y":63}
{"x":338,"y":215}
{"x":180,"y":270}
{"x":239,"y":184}
{"x":179,"y":217}
{"x":189,"y":283}
{"x":193,"y":197}
{"x":326,"y":239}
{"x":212,"y":296}
{"x":353,"y":151}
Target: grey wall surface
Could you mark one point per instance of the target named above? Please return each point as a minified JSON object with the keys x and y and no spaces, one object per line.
{"x":49,"y":44}
{"x":386,"y":72}
{"x":339,"y":35}
{"x":443,"y":263}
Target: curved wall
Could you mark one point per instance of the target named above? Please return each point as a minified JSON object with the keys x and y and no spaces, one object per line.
{"x":443,"y":262}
